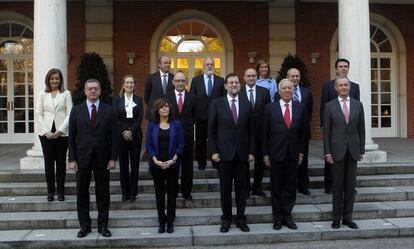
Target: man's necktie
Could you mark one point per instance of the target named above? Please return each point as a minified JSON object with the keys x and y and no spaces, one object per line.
{"x":234,"y":111}
{"x":209,"y":85}
{"x":180,"y":102}
{"x":164,"y":83}
{"x":93,"y":116}
{"x":286,"y":116}
{"x":251,"y":98}
{"x":345,"y":110}
{"x":295,"y":94}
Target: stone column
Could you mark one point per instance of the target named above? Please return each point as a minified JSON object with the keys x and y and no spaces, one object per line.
{"x":50,"y":51}
{"x":354,"y":45}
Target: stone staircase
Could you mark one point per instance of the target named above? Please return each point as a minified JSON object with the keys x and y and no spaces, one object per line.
{"x":384,"y":208}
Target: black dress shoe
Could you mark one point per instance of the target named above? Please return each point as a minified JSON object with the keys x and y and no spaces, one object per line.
{"x":305,"y":191}
{"x":161,"y":228}
{"x":170,"y":227}
{"x":50,"y":197}
{"x":258,"y":193}
{"x":61,"y":197}
{"x":328,"y":191}
{"x":277,"y":225}
{"x":225,"y":226}
{"x":105,"y":232}
{"x":132,"y":197}
{"x":335,"y":224}
{"x":289,"y":223}
{"x":84,"y":231}
{"x":350,"y":224}
{"x":188,"y":197}
{"x":124,"y":198}
{"x":243,"y":226}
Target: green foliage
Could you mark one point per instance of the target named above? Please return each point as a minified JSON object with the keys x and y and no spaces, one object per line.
{"x":92,"y":67}
{"x":289,"y":62}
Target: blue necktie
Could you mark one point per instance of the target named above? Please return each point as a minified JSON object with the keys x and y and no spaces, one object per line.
{"x":295,"y":94}
{"x":209,"y":85}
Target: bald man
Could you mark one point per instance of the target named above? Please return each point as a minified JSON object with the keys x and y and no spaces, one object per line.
{"x":258,"y":97}
{"x":304,"y":96}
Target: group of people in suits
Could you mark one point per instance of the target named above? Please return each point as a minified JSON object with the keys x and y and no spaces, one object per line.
{"x":235,"y":125}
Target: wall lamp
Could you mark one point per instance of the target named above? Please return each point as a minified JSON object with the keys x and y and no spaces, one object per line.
{"x":131,"y":58}
{"x":314,"y":57}
{"x":252,"y":56}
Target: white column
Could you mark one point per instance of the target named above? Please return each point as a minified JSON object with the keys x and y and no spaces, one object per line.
{"x":354,"y":45}
{"x":50,"y":51}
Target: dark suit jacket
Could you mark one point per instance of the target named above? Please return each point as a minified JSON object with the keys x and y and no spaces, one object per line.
{"x":187,"y":117}
{"x":338,"y":135}
{"x":134,"y":124}
{"x":278,"y":139}
{"x":176,"y":144}
{"x":329,"y":93}
{"x":226,"y":138}
{"x":198,"y":88}
{"x":153,"y":90}
{"x":262,"y":98}
{"x":83,"y":139}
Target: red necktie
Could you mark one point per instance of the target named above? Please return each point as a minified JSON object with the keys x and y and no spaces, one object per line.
{"x":93,"y":116}
{"x":180,"y":103}
{"x":286,"y":116}
{"x":345,"y":110}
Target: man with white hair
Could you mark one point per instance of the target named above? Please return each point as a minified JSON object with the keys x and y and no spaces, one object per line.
{"x":284,"y":137}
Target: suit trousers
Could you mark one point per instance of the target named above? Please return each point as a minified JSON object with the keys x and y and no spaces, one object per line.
{"x":303,"y":170}
{"x":344,"y":181}
{"x":283,"y":187}
{"x":187,"y":168}
{"x":129,"y":156}
{"x":201,"y":142}
{"x":83,"y":179}
{"x":234,"y":169}
{"x":165,"y":181}
{"x":54,"y":150}
{"x":327,"y":170}
{"x":259,"y":168}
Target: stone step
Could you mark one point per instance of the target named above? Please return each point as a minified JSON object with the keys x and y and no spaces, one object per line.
{"x":200,"y":200}
{"x":205,"y":235}
{"x":201,"y":216}
{"x":314,"y":170}
{"x":200,"y":185}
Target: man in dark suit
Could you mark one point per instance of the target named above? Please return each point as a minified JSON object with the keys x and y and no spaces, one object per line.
{"x":93,"y":135}
{"x":158,"y":84}
{"x":183,"y":104}
{"x":207,"y":87}
{"x":329,"y":93}
{"x":344,"y":145}
{"x":284,"y":138}
{"x":231,"y":146}
{"x":304,"y":96}
{"x":258,"y":97}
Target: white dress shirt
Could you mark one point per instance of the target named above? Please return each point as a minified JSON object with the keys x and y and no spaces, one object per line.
{"x":89,"y":104}
{"x":347,"y":104}
{"x":206,"y":82}
{"x":229,"y":99}
{"x":177,"y":97}
{"x":248,"y":92}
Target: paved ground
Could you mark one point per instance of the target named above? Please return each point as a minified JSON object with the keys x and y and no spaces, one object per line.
{"x":396,"y":243}
{"x":398,"y":150}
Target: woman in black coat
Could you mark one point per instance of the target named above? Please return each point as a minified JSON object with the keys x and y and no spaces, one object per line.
{"x":129,"y":112}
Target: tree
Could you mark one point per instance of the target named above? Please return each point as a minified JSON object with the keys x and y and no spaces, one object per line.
{"x":294,"y":61}
{"x":92,"y":67}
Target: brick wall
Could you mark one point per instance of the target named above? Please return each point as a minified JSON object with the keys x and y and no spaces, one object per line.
{"x":315,"y":26}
